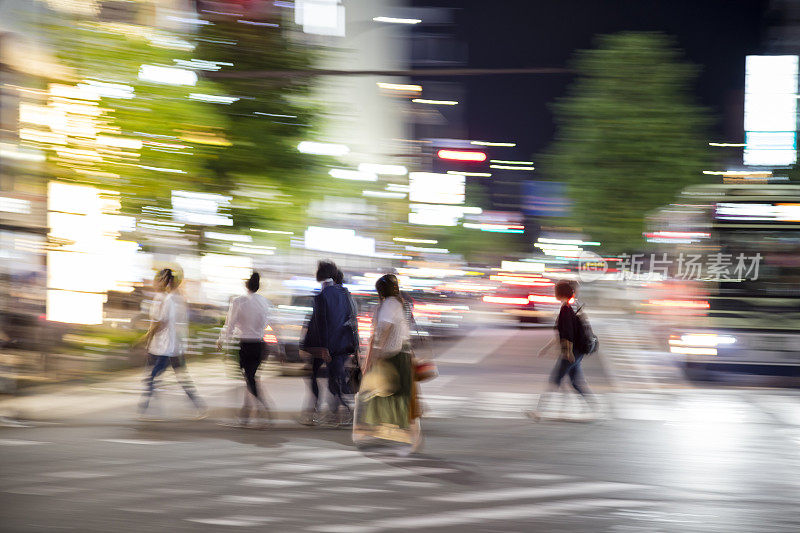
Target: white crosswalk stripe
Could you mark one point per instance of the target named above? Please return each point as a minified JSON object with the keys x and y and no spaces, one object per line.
{"x":517,"y":493}
{"x":678,"y":405}
{"x":264,"y":490}
{"x":475,"y":516}
{"x":340,"y":476}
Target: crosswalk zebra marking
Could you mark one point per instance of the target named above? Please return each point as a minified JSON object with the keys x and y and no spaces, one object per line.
{"x":472,"y":516}
{"x":570,"y":489}
{"x":21,"y":442}
{"x":234,"y":521}
{"x":353,"y":490}
{"x":254,"y":500}
{"x":415,"y":484}
{"x":533,"y":476}
{"x":275,"y":482}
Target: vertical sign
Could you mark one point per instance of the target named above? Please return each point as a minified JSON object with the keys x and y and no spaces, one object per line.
{"x":770,"y":110}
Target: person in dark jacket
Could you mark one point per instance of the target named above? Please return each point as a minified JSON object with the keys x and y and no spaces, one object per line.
{"x":329,"y":340}
{"x":352,"y":369}
{"x":569,"y":361}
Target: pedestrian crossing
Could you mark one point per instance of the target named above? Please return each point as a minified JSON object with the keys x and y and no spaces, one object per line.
{"x":633,"y":354}
{"x":233,"y":481}
{"x":338,"y":489}
{"x":679,"y":405}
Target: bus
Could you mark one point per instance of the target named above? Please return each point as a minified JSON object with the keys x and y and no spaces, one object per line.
{"x":740,"y":311}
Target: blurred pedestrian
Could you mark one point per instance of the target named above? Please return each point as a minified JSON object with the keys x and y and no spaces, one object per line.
{"x":388,"y":406}
{"x":329,"y":340}
{"x":248,"y":317}
{"x":568,"y":332}
{"x":352,"y":365}
{"x":166,"y":339}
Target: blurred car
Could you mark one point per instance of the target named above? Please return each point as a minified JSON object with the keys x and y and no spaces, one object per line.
{"x":437,"y":314}
{"x":287,"y":328}
{"x":528,"y":303}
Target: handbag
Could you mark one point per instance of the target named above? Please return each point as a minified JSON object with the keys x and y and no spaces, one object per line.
{"x":425,"y":370}
{"x":380,"y":380}
{"x":355,"y":375}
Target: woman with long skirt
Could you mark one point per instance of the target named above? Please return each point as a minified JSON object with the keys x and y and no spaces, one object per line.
{"x":387,"y":405}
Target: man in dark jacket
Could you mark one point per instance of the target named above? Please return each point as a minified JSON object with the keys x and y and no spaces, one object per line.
{"x":329,"y":340}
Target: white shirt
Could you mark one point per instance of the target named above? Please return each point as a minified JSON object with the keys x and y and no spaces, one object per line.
{"x":170,"y":309}
{"x":249,"y":315}
{"x":390,"y":324}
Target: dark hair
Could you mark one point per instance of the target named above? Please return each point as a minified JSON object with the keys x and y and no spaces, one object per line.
{"x":387,"y":286}
{"x":326,"y":270}
{"x":564,"y":289}
{"x":339,"y":277}
{"x":167,"y":276}
{"x":253,"y":283}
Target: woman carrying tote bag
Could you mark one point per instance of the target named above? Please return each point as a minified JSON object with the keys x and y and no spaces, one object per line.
{"x":387,"y":405}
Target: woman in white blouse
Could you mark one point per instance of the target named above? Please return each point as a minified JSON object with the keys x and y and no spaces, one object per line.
{"x":389,"y":408}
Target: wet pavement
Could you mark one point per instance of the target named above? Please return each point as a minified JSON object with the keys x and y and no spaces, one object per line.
{"x":678,"y":459}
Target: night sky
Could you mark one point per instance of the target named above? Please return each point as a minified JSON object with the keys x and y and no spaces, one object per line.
{"x":716,"y":35}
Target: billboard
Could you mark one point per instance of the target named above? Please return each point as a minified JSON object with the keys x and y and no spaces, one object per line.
{"x":770,"y":110}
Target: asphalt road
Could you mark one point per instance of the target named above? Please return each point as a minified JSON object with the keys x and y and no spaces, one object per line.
{"x":681,"y":459}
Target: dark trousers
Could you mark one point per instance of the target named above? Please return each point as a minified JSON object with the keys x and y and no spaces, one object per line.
{"x":337,"y":382}
{"x":158,"y":364}
{"x":251,"y":354}
{"x":572,"y":369}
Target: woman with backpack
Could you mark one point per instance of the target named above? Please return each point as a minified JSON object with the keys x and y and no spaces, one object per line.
{"x":575,"y":341}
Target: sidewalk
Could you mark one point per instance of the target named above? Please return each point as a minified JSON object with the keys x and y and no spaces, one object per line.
{"x":219,"y":384}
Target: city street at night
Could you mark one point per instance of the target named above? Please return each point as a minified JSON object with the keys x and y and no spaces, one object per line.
{"x":660,"y":459}
{"x":355,"y":266}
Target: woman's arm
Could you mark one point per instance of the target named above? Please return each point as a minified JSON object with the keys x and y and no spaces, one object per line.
{"x":566,"y":350}
{"x":230,"y":324}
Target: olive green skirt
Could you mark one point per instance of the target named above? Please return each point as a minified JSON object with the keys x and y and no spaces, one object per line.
{"x":391,"y":406}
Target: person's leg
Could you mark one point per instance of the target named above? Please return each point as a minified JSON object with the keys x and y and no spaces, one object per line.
{"x":554,"y":382}
{"x":316,"y":365}
{"x":579,"y":384}
{"x":252,"y":356}
{"x":335,"y":368}
{"x":157,"y":363}
{"x":576,"y":377}
{"x":249,"y":363}
{"x":336,"y":383}
{"x":178,"y":363}
{"x":247,"y":403}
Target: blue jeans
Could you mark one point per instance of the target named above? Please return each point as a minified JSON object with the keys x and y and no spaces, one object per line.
{"x":337,"y":382}
{"x":573,"y":370}
{"x":159,"y":364}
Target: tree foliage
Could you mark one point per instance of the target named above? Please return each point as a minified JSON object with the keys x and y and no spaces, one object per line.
{"x":267,"y":122}
{"x":630,"y":135}
{"x":179,"y":135}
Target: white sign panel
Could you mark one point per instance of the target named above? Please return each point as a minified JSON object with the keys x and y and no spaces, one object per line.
{"x":770,"y":110}
{"x":432,"y":188}
{"x":338,"y":240}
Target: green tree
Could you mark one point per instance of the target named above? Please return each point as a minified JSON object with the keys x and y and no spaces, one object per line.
{"x":267,"y":122}
{"x":630,"y":135}
{"x":177,"y":135}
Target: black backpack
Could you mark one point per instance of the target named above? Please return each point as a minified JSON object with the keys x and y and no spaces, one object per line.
{"x":586,"y":342}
